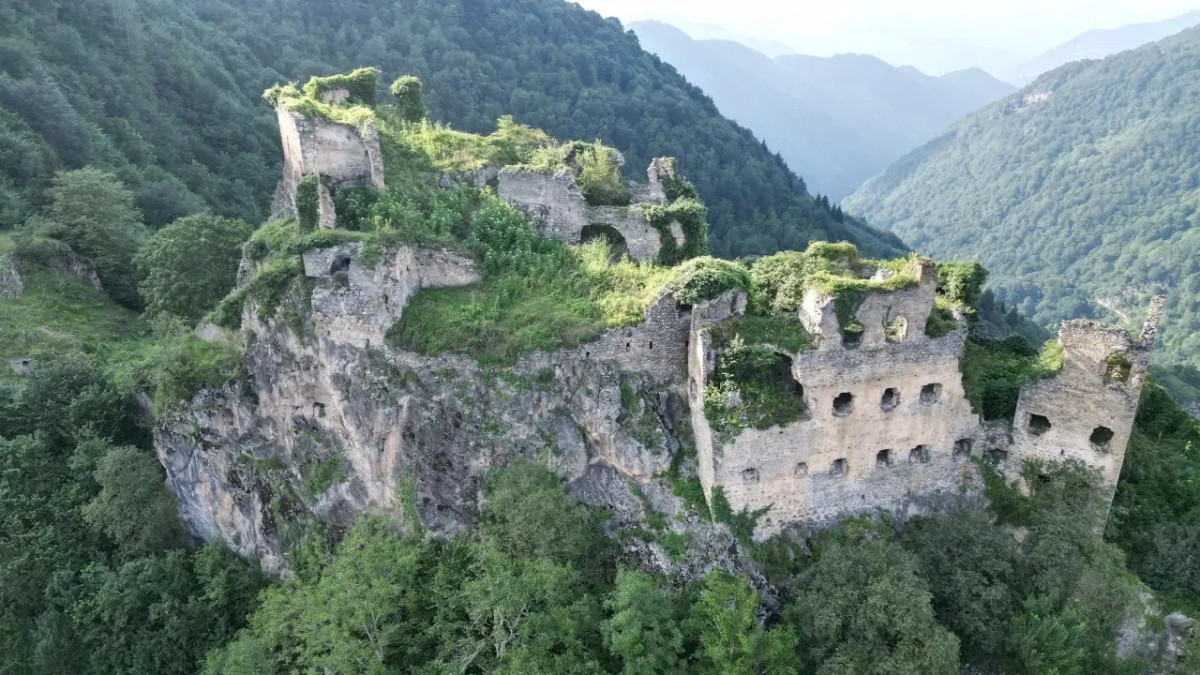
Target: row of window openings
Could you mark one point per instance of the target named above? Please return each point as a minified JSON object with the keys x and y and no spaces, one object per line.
{"x":884,"y":459}
{"x":1100,"y":438}
{"x":843,"y":404}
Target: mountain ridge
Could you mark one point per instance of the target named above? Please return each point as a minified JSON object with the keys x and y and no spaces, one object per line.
{"x":836,"y":120}
{"x":1078,"y":192}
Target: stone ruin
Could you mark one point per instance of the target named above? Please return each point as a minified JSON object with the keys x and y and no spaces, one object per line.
{"x":342,"y":155}
{"x":556,"y":205}
{"x":886,"y":423}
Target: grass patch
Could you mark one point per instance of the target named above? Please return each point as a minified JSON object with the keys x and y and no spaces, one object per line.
{"x":784,"y":331}
{"x":58,"y":313}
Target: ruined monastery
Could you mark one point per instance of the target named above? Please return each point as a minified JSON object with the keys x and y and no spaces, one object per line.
{"x":882,"y":422}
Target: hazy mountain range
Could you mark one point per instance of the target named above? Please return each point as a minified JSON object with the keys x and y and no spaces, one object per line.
{"x":1099,"y":43}
{"x":836,"y":120}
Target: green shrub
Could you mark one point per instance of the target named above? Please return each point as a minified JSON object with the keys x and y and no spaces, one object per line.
{"x":1118,"y":367}
{"x":692,"y":217}
{"x":600,"y":176}
{"x":751,"y":387}
{"x":185,"y":365}
{"x":941,"y":320}
{"x":741,"y":523}
{"x":308,"y":202}
{"x":961,"y":282}
{"x":994,"y":370}
{"x":701,"y":279}
{"x":362,"y":84}
{"x":410,"y":101}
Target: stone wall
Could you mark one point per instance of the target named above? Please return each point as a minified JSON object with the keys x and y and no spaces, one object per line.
{"x":356,"y":303}
{"x":556,"y":205}
{"x":886,"y":424}
{"x":343,"y":154}
{"x":1083,"y":413}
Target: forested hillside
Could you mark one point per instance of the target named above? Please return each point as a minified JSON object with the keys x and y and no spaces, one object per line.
{"x":1080,"y":193}
{"x":166,"y":93}
{"x":837,"y":121}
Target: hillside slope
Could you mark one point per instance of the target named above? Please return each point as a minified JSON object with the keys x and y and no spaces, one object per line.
{"x":1079,"y":193}
{"x":837,"y":121}
{"x":167,"y":93}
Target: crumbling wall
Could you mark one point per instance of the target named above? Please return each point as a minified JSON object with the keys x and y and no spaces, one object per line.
{"x":354,"y":302}
{"x":556,"y":205}
{"x":341,"y":153}
{"x":1086,"y":412}
{"x":886,"y":424}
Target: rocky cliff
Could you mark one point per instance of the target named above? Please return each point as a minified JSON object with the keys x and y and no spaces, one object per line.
{"x":331,"y":422}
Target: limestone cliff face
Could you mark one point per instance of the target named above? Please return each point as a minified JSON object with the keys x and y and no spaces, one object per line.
{"x":331,"y":422}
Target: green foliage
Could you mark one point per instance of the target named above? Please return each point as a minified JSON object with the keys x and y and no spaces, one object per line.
{"x":732,"y":640}
{"x":864,"y":608}
{"x":941,"y":319}
{"x":410,"y":101}
{"x":267,"y":288}
{"x":600,"y":176}
{"x":308,"y":200}
{"x":1117,"y":368}
{"x":646,"y":631}
{"x":751,"y":387}
{"x":1073,"y":199}
{"x":701,"y":279}
{"x":970,"y":567}
{"x":179,"y":367}
{"x":190,"y":265}
{"x":59,"y":313}
{"x":537,"y":294}
{"x":1154,"y":518}
{"x":93,"y":213}
{"x":692,"y":217}
{"x":994,"y":370}
{"x":784,"y":331}
{"x":134,"y":508}
{"x":961,"y":283}
{"x":361,"y":84}
{"x":741,"y":523}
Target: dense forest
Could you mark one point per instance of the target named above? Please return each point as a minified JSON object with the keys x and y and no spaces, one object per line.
{"x":1080,"y":193}
{"x":166,"y":94}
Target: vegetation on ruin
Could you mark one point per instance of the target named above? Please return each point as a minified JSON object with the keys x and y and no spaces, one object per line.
{"x":752,"y":387}
{"x":994,"y":370}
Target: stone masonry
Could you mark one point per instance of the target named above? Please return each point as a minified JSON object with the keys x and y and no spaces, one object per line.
{"x":886,"y":424}
{"x":557,"y":206}
{"x":342,"y":154}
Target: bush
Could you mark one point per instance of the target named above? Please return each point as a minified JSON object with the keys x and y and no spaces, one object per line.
{"x":410,"y":103}
{"x":600,"y":176}
{"x":961,"y":282}
{"x":705,"y":278}
{"x":186,"y":365}
{"x":188,"y":266}
{"x":692,"y":217}
{"x":362,"y":84}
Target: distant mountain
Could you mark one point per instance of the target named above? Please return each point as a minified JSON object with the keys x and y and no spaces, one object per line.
{"x":711,"y":31}
{"x":1099,"y":43}
{"x":836,"y":121}
{"x":1081,"y":193}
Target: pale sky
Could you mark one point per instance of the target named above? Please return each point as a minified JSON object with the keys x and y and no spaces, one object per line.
{"x":934,"y":35}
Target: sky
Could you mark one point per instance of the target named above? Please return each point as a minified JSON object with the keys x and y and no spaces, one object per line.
{"x":936,"y":36}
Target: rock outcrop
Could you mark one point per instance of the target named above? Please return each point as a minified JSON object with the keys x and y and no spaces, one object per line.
{"x":332,"y":422}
